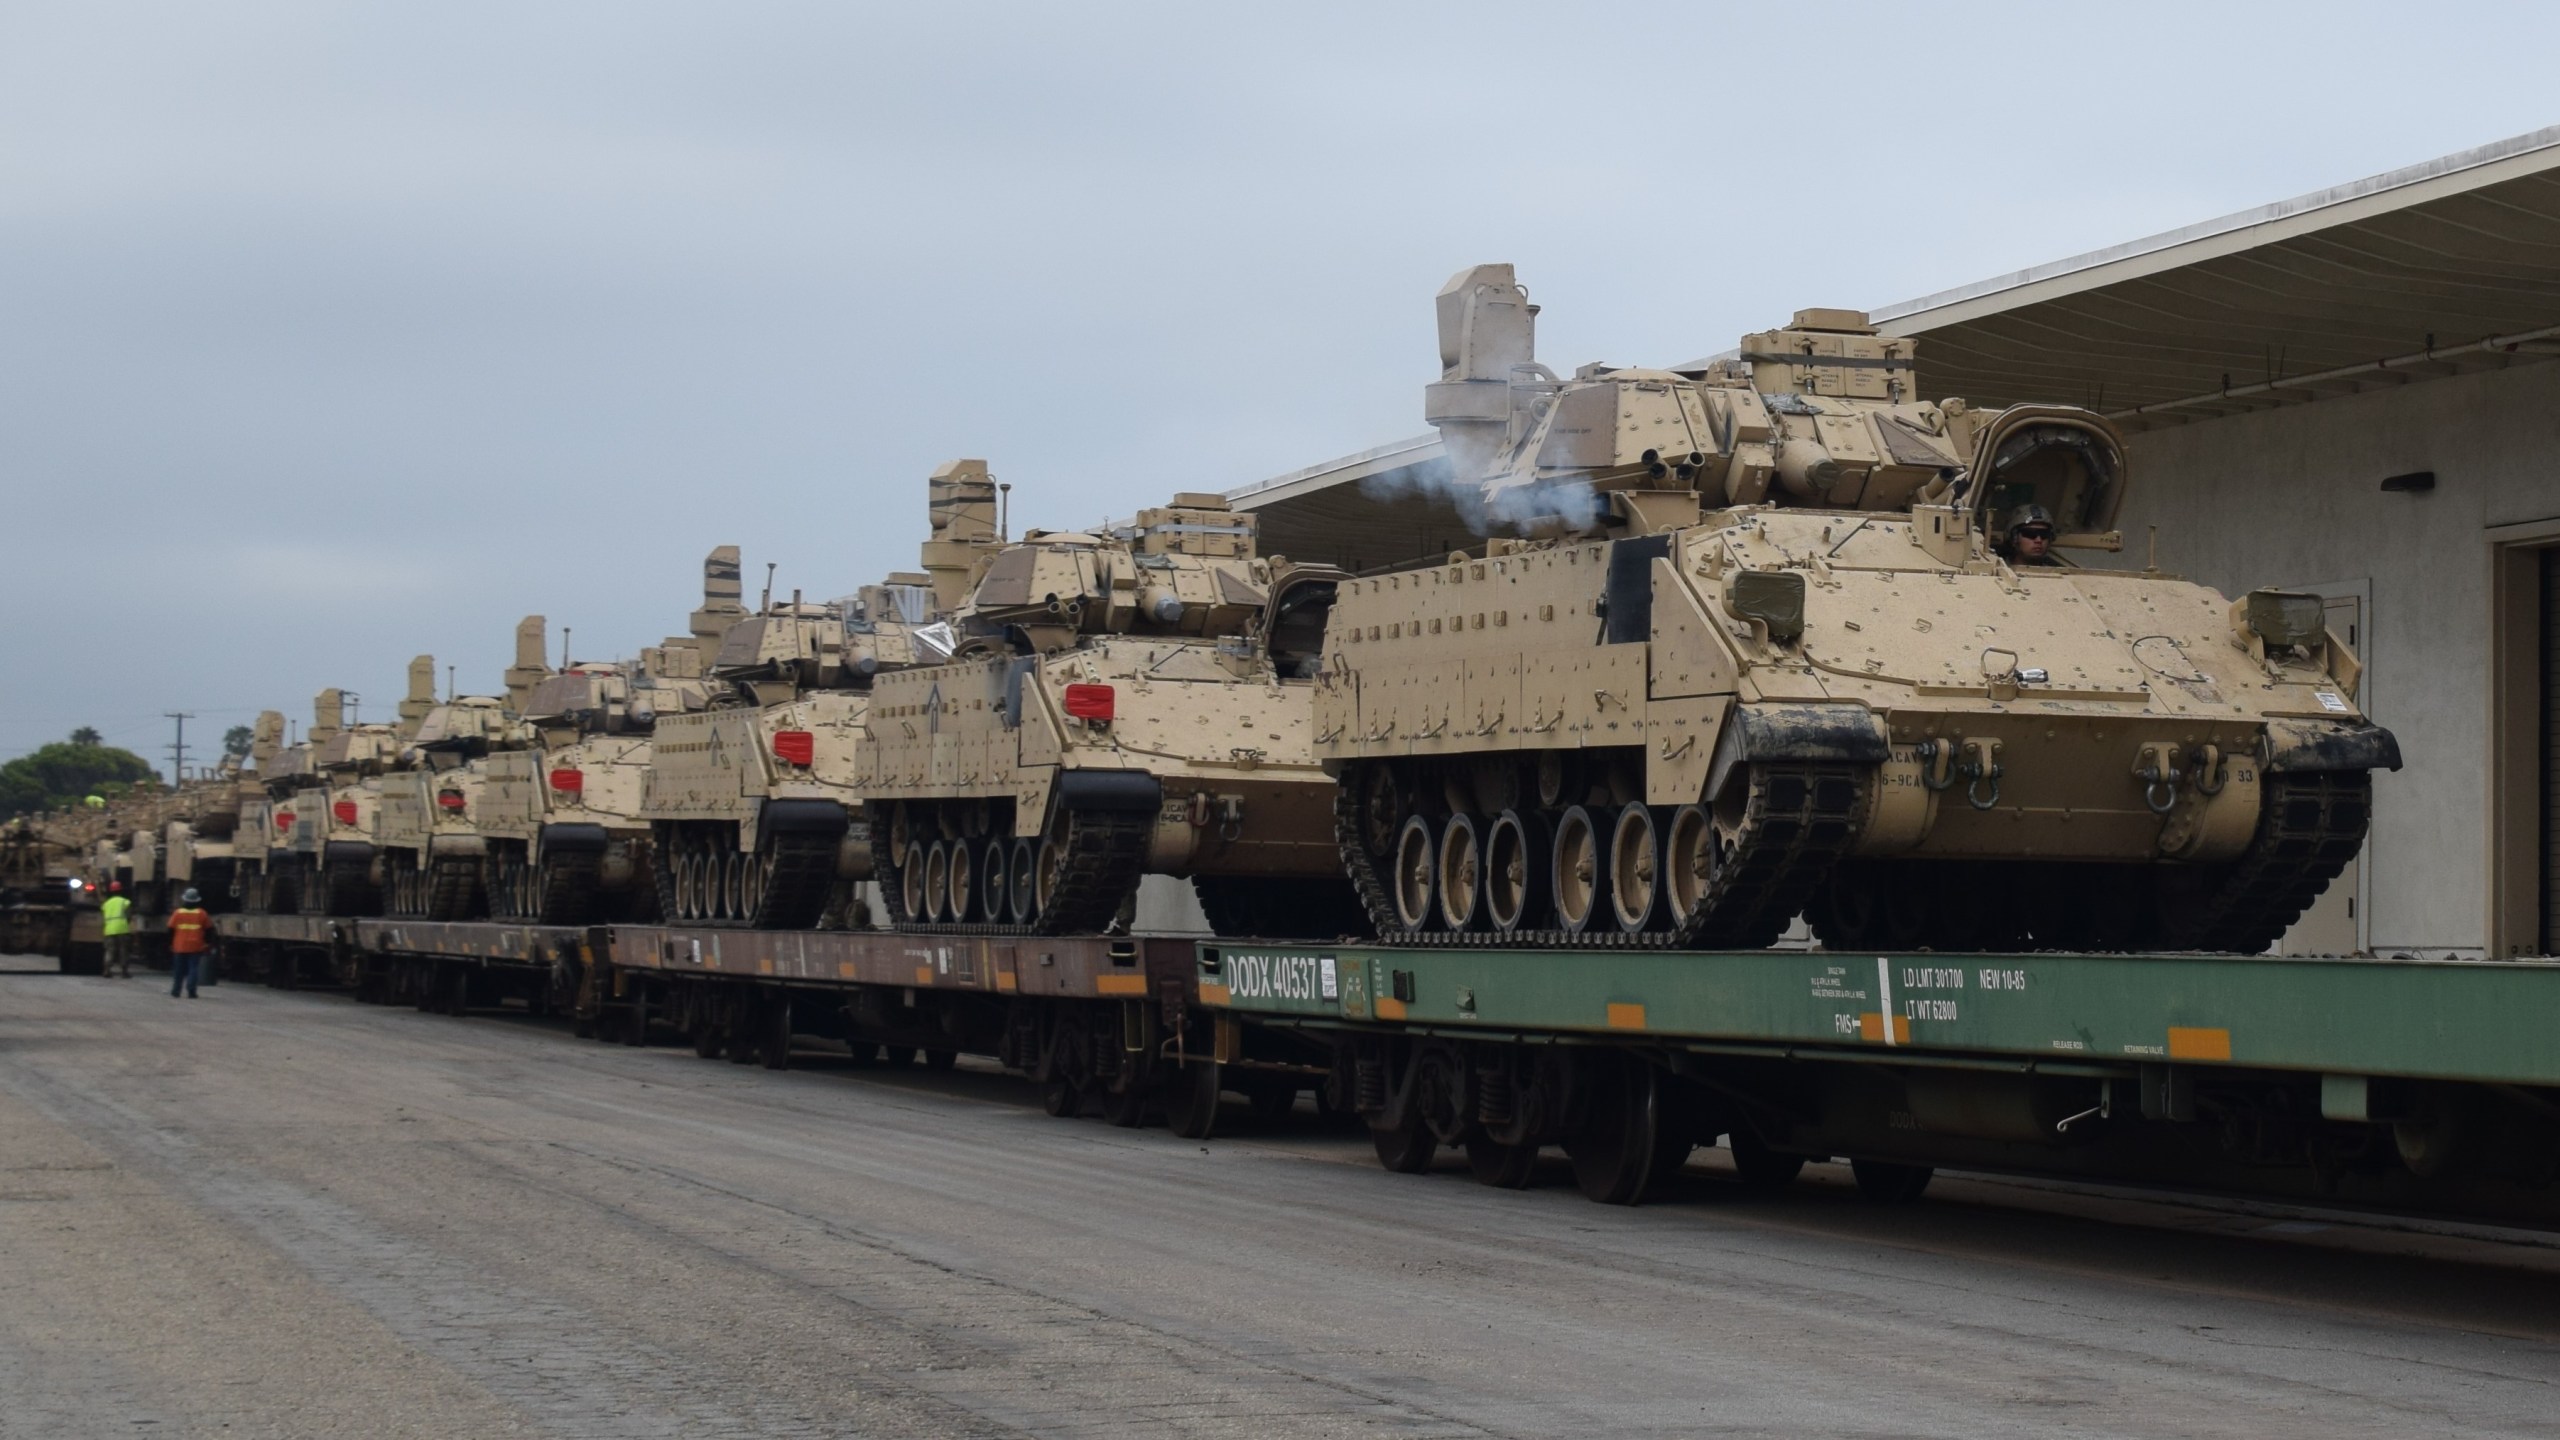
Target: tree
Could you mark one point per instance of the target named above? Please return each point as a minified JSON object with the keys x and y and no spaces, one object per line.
{"x":85,"y":735}
{"x":63,"y":772}
{"x":236,"y":741}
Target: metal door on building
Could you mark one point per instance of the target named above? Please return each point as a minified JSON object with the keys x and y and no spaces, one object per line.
{"x":2337,"y":922}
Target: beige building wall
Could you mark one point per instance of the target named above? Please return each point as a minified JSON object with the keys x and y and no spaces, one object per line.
{"x":2292,"y":497}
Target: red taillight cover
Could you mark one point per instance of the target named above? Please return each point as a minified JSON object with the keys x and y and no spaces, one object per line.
{"x":345,"y":810}
{"x":449,"y":799}
{"x":569,"y":782}
{"x":794,"y":747}
{"x":1090,"y":702}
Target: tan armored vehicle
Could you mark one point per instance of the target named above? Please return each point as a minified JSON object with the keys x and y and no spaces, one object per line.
{"x":1763,"y":658}
{"x":198,"y":843}
{"x":1119,"y":705}
{"x":567,"y":843}
{"x":294,"y":816}
{"x":321,"y":853}
{"x":751,"y":802}
{"x":427,"y":829}
{"x":255,"y":812}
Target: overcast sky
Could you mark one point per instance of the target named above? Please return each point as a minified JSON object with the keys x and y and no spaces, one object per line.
{"x":334,"y":333}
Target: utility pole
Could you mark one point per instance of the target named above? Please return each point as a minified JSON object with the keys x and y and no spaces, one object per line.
{"x":178,"y":750}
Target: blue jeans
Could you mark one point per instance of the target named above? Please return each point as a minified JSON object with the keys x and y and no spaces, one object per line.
{"x":182,"y":972}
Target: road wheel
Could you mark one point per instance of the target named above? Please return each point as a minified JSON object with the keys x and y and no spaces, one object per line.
{"x":1635,"y":870}
{"x":1461,"y":873}
{"x":1518,"y":871}
{"x":1023,"y":879}
{"x":1410,"y":876}
{"x":1580,"y":879}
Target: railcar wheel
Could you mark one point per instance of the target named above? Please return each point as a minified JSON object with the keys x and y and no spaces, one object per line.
{"x":708,"y":1042}
{"x":1461,"y":873}
{"x":744,"y":1031}
{"x":862,"y":1054}
{"x":1191,"y":1099}
{"x":1760,"y":1168}
{"x":1893,"y":1184}
{"x":1580,"y":878}
{"x":1275,"y":1099}
{"x":898,"y":1057}
{"x":777,"y":1033}
{"x":1505,"y":1167}
{"x":941,"y":1059}
{"x":1408,"y":1148}
{"x":1059,"y":1097}
{"x":1411,"y":877}
{"x":1023,"y":890}
{"x":1125,"y":1107}
{"x":1635,"y":870}
{"x":1616,"y":1145}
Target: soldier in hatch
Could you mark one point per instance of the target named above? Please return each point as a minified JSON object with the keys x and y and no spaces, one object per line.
{"x":2028,"y":537}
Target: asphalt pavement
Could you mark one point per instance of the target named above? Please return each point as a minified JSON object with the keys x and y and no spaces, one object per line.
{"x":266,"y":1213}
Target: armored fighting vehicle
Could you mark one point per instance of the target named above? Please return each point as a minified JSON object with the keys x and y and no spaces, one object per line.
{"x":567,"y":843}
{"x":751,"y":801}
{"x":427,"y":830}
{"x":323,"y":852}
{"x":1117,"y":705}
{"x":197,"y":844}
{"x":37,"y":865}
{"x":254,"y":811}
{"x":1755,"y":655}
{"x":295,"y":817}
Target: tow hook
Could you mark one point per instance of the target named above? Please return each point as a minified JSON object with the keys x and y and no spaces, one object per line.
{"x":2156,"y":766}
{"x":1980,"y":766}
{"x":2208,"y":776}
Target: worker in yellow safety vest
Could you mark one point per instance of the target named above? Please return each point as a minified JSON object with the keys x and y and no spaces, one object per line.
{"x":116,"y":923}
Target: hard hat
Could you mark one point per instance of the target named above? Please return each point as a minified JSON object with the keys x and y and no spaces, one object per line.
{"x":190,"y":898}
{"x":2026,"y":515}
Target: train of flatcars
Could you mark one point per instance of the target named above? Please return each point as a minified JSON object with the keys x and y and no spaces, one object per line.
{"x":1498,"y":847}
